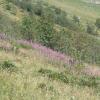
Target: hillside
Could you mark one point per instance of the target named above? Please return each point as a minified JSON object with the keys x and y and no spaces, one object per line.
{"x":77,"y":7}
{"x":35,"y":77}
{"x":49,"y":50}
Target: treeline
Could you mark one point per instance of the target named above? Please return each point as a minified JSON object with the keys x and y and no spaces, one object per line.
{"x":53,"y":28}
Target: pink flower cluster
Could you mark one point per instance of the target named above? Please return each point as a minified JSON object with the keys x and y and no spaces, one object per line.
{"x":51,"y":54}
{"x":54,"y":55}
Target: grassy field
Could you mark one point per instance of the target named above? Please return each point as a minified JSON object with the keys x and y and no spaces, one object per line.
{"x":27,"y":84}
{"x":86,"y":11}
{"x":30,"y":79}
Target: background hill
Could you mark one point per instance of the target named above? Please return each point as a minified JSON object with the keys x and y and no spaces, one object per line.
{"x":86,"y":10}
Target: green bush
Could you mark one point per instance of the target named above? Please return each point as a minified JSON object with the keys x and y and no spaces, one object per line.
{"x":46,"y":31}
{"x":38,"y":8}
{"x":60,"y":16}
{"x":97,"y":23}
{"x":76,"y":19}
{"x":8,"y":65}
{"x":27,"y":27}
{"x":91,"y":29}
{"x":8,"y":6}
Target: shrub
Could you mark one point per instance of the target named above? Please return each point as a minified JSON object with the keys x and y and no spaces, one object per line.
{"x":46,"y":31}
{"x":8,"y":6}
{"x":8,"y":65}
{"x":91,"y":29}
{"x":38,"y":8}
{"x":97,"y":23}
{"x":27,"y":28}
{"x":60,"y":17}
{"x":76,"y":19}
{"x":62,"y":42}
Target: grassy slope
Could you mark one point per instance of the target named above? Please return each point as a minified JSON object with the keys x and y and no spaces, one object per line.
{"x":25,"y":83}
{"x":8,"y":13}
{"x":85,"y":10}
{"x":9,"y":19}
{"x":5,"y":12}
{"x":77,"y":7}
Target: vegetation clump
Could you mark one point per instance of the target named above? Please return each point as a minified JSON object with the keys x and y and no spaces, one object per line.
{"x":8,"y":65}
{"x":71,"y":79}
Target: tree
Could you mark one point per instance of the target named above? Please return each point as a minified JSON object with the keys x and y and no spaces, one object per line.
{"x":27,"y":28}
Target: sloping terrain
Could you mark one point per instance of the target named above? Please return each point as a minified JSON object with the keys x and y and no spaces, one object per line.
{"x":86,"y":11}
{"x":34,"y":77}
{"x":31,"y":71}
